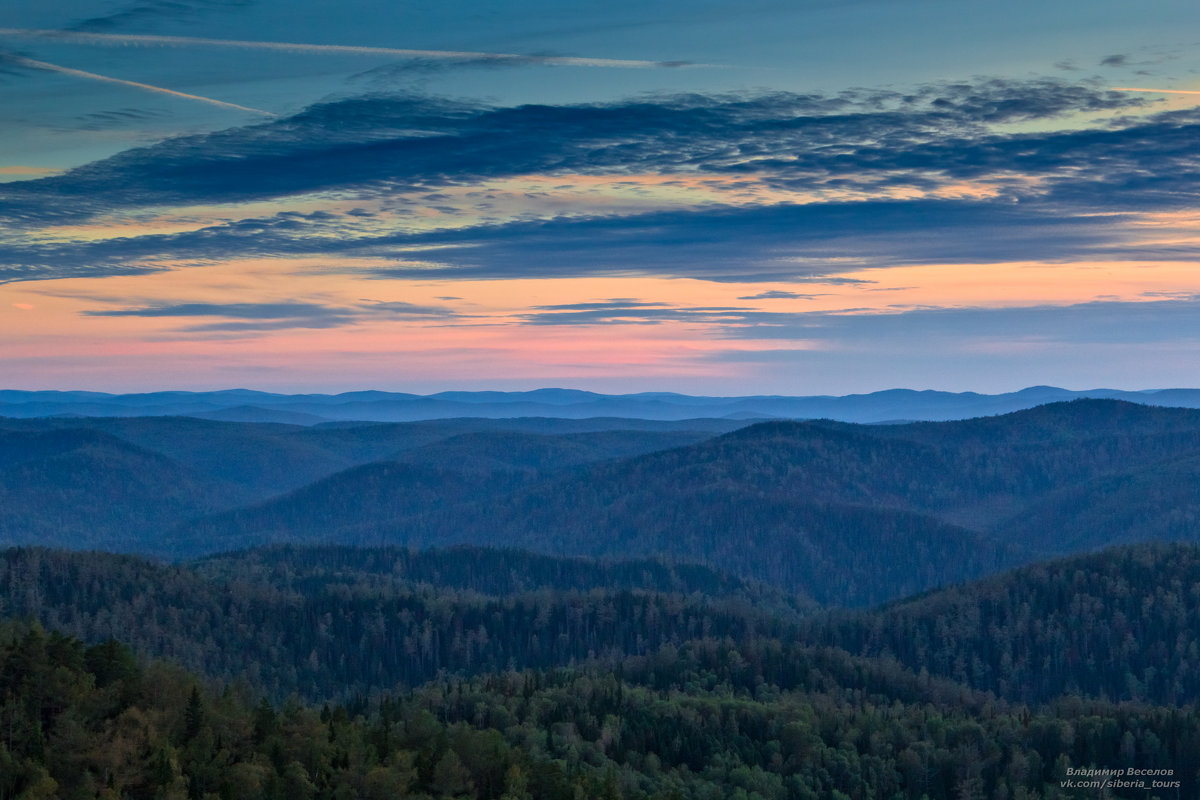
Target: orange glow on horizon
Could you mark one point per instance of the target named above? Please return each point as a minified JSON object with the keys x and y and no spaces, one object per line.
{"x":466,"y":329}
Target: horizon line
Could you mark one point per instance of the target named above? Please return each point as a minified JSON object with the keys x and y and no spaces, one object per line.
{"x":564,"y":389}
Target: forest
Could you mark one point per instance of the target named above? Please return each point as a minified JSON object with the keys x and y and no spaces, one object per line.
{"x":1002,"y":607}
{"x":845,"y":514}
{"x":85,"y":722}
{"x":341,"y":672}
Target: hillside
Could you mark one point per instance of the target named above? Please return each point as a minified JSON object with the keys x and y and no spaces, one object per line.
{"x":847,"y":514}
{"x":84,"y":488}
{"x":701,"y":721}
{"x":500,"y":674}
{"x":268,"y":458}
{"x":1119,"y":625}
{"x":329,"y":623}
{"x":854,"y":515}
{"x":1122,"y":624}
{"x":119,"y":484}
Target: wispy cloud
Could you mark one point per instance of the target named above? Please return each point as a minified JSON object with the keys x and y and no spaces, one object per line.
{"x":858,"y":180}
{"x":1099,"y":322}
{"x":777,"y":294}
{"x":289,"y":310}
{"x":278,"y":315}
{"x":145,"y":87}
{"x":118,"y":118}
{"x":757,"y":243}
{"x":142,"y":11}
{"x":860,"y":141}
{"x":1155,"y":91}
{"x":629,"y":312}
{"x":767,"y":243}
{"x":118,"y":39}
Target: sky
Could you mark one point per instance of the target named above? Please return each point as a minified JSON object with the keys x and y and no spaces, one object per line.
{"x":761,"y":197}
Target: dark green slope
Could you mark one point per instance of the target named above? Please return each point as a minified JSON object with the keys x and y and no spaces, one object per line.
{"x":269,"y":458}
{"x":479,"y":570}
{"x":796,"y":504}
{"x":355,"y":507}
{"x":701,"y":721}
{"x":265,"y":458}
{"x":88,"y":489}
{"x":432,"y":488}
{"x":529,"y":453}
{"x":849,"y":514}
{"x":667,"y":693}
{"x":1156,"y":503}
{"x":840,"y":555}
{"x":1122,"y":624}
{"x":333,"y":622}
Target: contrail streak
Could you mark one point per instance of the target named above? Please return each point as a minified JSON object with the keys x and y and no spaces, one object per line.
{"x":92,"y":76}
{"x":190,"y":41}
{"x":1155,"y":91}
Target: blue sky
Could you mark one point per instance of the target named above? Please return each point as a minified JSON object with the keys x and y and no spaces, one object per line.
{"x":800,"y":197}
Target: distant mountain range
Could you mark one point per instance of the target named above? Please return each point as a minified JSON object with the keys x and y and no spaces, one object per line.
{"x":243,"y":405}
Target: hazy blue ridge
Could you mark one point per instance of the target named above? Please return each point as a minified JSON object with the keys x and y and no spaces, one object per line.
{"x":378,"y":406}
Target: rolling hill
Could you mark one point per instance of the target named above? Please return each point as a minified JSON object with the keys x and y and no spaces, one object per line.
{"x":847,"y":514}
{"x":471,"y":672}
{"x":332,"y":622}
{"x":1122,"y":624}
{"x":122,"y":483}
{"x":87,"y":489}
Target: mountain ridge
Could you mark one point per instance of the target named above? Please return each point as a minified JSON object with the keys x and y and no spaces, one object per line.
{"x":382,"y":406}
{"x":849,"y":514}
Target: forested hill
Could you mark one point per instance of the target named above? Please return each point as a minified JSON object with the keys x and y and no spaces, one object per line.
{"x":483,"y":571}
{"x":635,"y":681}
{"x":267,"y":459}
{"x":86,"y":722}
{"x":837,"y":553}
{"x":331,"y":622}
{"x":1122,"y":624}
{"x":700,"y":669}
{"x":847,"y":514}
{"x":995,"y":476}
{"x":118,"y":484}
{"x":852,"y":515}
{"x":87,"y":488}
